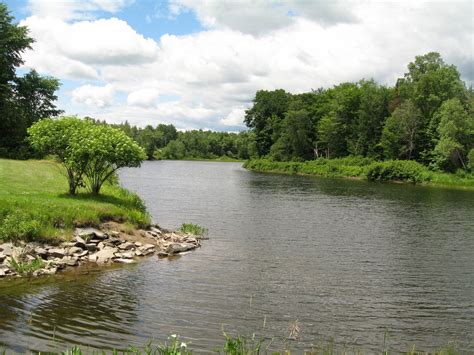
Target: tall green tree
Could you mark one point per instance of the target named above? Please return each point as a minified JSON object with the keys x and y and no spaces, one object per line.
{"x":400,"y":132}
{"x":23,"y":100}
{"x":456,"y":135}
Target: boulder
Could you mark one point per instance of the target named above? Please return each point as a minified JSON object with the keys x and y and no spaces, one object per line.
{"x":6,"y":248}
{"x":88,"y":233}
{"x":126,"y":246}
{"x":82,"y":254}
{"x":41,"y":252}
{"x":93,"y":258}
{"x":79,"y":242}
{"x":105,"y":255}
{"x":56,"y":252}
{"x":176,"y":248}
{"x":128,"y":255}
{"x":91,"y":247}
{"x":74,"y":250}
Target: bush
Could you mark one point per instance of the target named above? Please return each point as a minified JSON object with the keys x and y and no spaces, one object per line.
{"x":398,"y":170}
{"x":19,"y":225}
{"x":193,"y":229}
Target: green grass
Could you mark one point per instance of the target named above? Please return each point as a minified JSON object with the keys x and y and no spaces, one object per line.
{"x":34,"y":204}
{"x":193,"y":229}
{"x":366,"y":168}
{"x":26,"y":268}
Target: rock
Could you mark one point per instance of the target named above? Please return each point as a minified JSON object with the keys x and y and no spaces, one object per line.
{"x":88,"y":233}
{"x":156,"y":230}
{"x":2,"y":257}
{"x":128,"y":255}
{"x":30,"y":258}
{"x":114,"y":241}
{"x":59,"y":263}
{"x":79,"y":242}
{"x":149,"y":246}
{"x":74,"y":250}
{"x":138,"y":252}
{"x":162,"y":254}
{"x":41,"y":252}
{"x":6,"y":248}
{"x":83,"y":254}
{"x":115,"y":233}
{"x":72,"y":261}
{"x":124,"y":261}
{"x":93,"y":258}
{"x":176,"y":248}
{"x":95,"y":241}
{"x":50,"y":271}
{"x":105,"y":255}
{"x":56,"y":253}
{"x":91,"y":247}
{"x":138,"y":244}
{"x":101,"y":245}
{"x":68,"y":244}
{"x":2,"y":273}
{"x":126,"y":246}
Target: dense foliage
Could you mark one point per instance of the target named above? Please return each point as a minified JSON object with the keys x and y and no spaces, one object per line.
{"x":427,"y":117}
{"x":91,"y":153}
{"x":23,"y":100}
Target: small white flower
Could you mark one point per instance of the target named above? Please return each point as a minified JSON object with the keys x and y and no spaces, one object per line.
{"x":173,"y":335}
{"x":183,"y":345}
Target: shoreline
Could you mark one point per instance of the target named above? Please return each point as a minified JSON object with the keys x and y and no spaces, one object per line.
{"x":282,"y":168}
{"x":110,"y":243}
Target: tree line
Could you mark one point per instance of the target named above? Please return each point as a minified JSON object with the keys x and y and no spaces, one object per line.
{"x":428,"y":116}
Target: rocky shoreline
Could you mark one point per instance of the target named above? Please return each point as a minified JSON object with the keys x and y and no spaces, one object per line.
{"x":108,"y":244}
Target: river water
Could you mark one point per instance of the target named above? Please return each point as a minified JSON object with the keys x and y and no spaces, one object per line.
{"x":349,"y":260}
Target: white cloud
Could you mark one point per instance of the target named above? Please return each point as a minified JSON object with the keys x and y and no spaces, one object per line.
{"x":214,"y":74}
{"x":260,"y":16}
{"x":143,"y":97}
{"x":98,"y":96}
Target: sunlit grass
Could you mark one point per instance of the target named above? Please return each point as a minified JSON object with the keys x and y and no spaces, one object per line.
{"x":34,"y":203}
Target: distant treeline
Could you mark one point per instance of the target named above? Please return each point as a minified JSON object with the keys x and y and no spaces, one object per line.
{"x":165,"y":142}
{"x":428,"y":116}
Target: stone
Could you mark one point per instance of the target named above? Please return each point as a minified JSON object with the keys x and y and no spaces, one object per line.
{"x":68,"y":244}
{"x":50,"y":271}
{"x":56,"y":253}
{"x":2,"y":273}
{"x":149,"y":246}
{"x":82,"y":254}
{"x":79,"y":242}
{"x":114,"y":241}
{"x":128,"y":255}
{"x":95,"y":241}
{"x":88,"y":233}
{"x":101,"y":245}
{"x":105,"y":255}
{"x":6,"y":248}
{"x":41,"y":252}
{"x":138,"y":252}
{"x":124,"y":261}
{"x":72,"y":261}
{"x":138,"y":244}
{"x":93,"y":258}
{"x":74,"y":250}
{"x":176,"y":248}
{"x":162,"y":254}
{"x":126,"y":246}
{"x":91,"y":247}
{"x":2,"y":257}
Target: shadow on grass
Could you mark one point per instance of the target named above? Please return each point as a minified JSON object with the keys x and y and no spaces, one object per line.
{"x":128,"y":201}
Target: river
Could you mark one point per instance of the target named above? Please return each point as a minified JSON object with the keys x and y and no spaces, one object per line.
{"x":349,"y":260}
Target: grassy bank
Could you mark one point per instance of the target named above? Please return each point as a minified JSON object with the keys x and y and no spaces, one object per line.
{"x":34,"y":204}
{"x":365,"y":168}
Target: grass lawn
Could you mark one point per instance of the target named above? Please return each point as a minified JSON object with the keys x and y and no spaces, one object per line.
{"x":34,"y":203}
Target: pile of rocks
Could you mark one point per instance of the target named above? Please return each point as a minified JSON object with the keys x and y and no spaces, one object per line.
{"x":93,"y":245}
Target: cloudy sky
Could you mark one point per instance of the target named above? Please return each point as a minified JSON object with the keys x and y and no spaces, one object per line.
{"x":198,"y":63}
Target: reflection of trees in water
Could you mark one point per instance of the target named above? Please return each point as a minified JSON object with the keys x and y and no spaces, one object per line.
{"x":76,"y":308}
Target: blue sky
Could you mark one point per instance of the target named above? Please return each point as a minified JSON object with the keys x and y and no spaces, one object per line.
{"x":198,"y":64}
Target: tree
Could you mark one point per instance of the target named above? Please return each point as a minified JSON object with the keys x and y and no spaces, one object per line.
{"x":89,"y":151}
{"x":23,"y":100}
{"x":54,"y":137}
{"x":400,"y":132}
{"x":456,"y":135}
{"x":267,"y":106}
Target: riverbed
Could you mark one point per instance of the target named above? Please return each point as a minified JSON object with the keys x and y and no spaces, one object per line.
{"x":349,"y":260}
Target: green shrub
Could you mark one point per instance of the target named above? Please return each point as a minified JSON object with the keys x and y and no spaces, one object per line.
{"x":193,"y":229}
{"x":19,"y":225}
{"x":398,"y":170}
{"x":26,"y":268}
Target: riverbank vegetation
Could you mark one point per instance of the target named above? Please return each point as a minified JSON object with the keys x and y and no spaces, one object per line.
{"x":35,"y":205}
{"x":418,"y":130}
{"x":251,"y":345}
